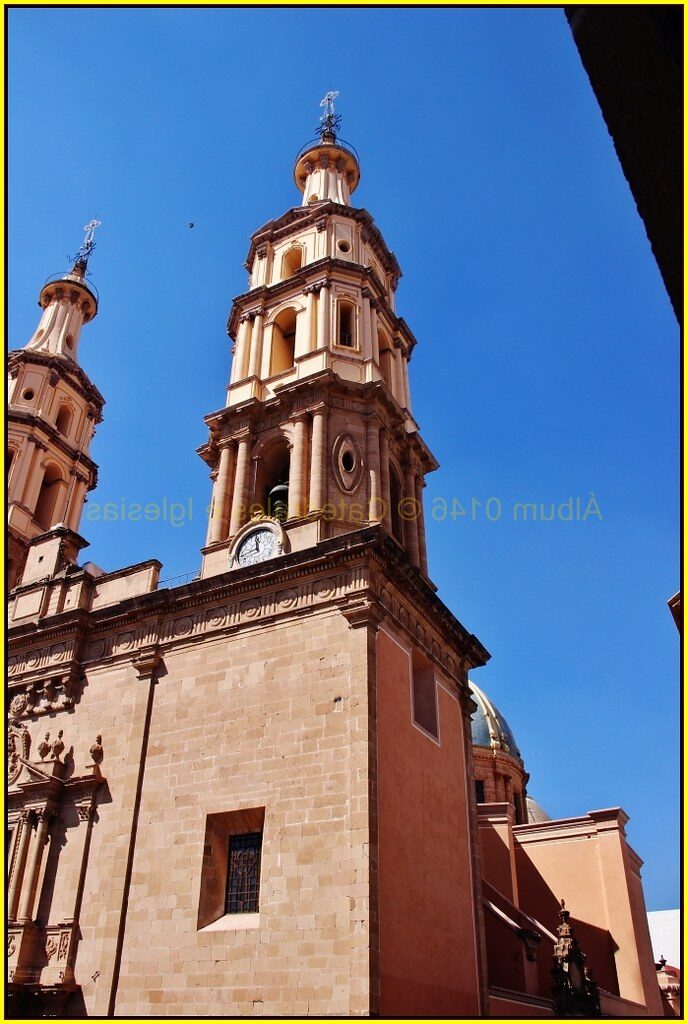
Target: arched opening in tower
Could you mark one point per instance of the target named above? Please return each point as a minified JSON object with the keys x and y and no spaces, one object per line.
{"x":64,"y":420}
{"x":292,"y":261}
{"x":385,"y":359}
{"x":283,"y":341}
{"x":271,"y":492}
{"x":345,"y":334}
{"x":47,"y":497}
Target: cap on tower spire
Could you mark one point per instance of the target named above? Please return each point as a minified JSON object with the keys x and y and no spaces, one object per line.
{"x":327,"y":168}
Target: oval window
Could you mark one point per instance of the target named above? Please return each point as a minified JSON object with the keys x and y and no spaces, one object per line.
{"x":348,"y":464}
{"x":343,"y":246}
{"x":28,"y":395}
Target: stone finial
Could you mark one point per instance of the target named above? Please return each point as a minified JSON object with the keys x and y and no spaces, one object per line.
{"x":44,"y":747}
{"x":96,"y":750}
{"x":57,"y":746}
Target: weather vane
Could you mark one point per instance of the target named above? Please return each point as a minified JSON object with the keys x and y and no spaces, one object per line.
{"x":88,"y":244}
{"x":329,"y":122}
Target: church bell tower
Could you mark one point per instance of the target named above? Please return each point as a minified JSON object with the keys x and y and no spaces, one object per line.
{"x":53,"y":409}
{"x":317,"y":437}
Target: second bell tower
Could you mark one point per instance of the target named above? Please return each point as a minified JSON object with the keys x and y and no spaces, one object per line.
{"x":317,"y":436}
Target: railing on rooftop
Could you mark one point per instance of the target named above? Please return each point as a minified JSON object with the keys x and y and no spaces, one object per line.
{"x":341,"y":143}
{"x":185,"y":577}
{"x":70,"y":278}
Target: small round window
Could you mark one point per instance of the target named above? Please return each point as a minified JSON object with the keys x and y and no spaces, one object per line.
{"x":28,"y":395}
{"x":343,"y":246}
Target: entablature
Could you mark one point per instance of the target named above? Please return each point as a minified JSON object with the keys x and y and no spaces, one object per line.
{"x":303,"y":216}
{"x":353,"y":572}
{"x":68,"y":370}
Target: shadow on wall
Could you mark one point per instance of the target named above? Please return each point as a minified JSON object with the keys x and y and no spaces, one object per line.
{"x":537,"y":899}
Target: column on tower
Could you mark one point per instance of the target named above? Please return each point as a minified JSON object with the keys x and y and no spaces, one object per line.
{"x":405,"y":378}
{"x":310,"y":318}
{"x":254,"y":367}
{"x":21,"y":471}
{"x":74,"y":501}
{"x":221,"y":494}
{"x":422,"y":549}
{"x":37,"y":473}
{"x":375,"y":508}
{"x":239,"y":496}
{"x":324,"y":315}
{"x":366,"y":341}
{"x":411,"y":519}
{"x":384,"y":480}
{"x":297,"y":468}
{"x":318,"y":460}
{"x":398,"y":371}
{"x":241,"y":351}
{"x":373,"y":331}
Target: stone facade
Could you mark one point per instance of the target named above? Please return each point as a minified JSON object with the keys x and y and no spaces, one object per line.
{"x":255,"y":794}
{"x":236,"y":693}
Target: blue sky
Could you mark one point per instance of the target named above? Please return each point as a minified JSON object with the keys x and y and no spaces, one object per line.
{"x":546,"y":365}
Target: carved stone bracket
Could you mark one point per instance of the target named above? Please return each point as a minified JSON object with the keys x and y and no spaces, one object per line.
{"x":146,"y":660}
{"x":362,"y":612}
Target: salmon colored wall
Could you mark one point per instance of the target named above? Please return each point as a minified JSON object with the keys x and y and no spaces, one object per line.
{"x":496,"y":849}
{"x":426,"y":903}
{"x":569,"y":870}
{"x":505,"y":967}
{"x":588,"y":863}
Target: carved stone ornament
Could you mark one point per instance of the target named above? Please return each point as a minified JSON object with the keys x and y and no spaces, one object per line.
{"x":96,"y":750}
{"x":18,"y":743}
{"x":11,"y":944}
{"x":50,"y":947}
{"x":57,"y":746}
{"x":44,"y":747}
{"x":18,"y":704}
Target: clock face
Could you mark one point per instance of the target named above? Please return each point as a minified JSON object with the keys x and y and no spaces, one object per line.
{"x":257,"y":546}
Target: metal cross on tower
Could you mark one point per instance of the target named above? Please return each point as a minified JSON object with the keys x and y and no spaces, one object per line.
{"x":88,"y":244}
{"x":329,"y":122}
{"x":90,"y":229}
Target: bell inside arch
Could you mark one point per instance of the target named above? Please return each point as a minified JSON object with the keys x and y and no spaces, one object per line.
{"x":278,"y":501}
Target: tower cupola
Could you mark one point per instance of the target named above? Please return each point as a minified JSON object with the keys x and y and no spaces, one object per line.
{"x":327,"y":168}
{"x":53,"y":410}
{"x":68,"y":302}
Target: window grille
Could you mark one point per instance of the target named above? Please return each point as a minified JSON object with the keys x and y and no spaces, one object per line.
{"x":243,"y":876}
